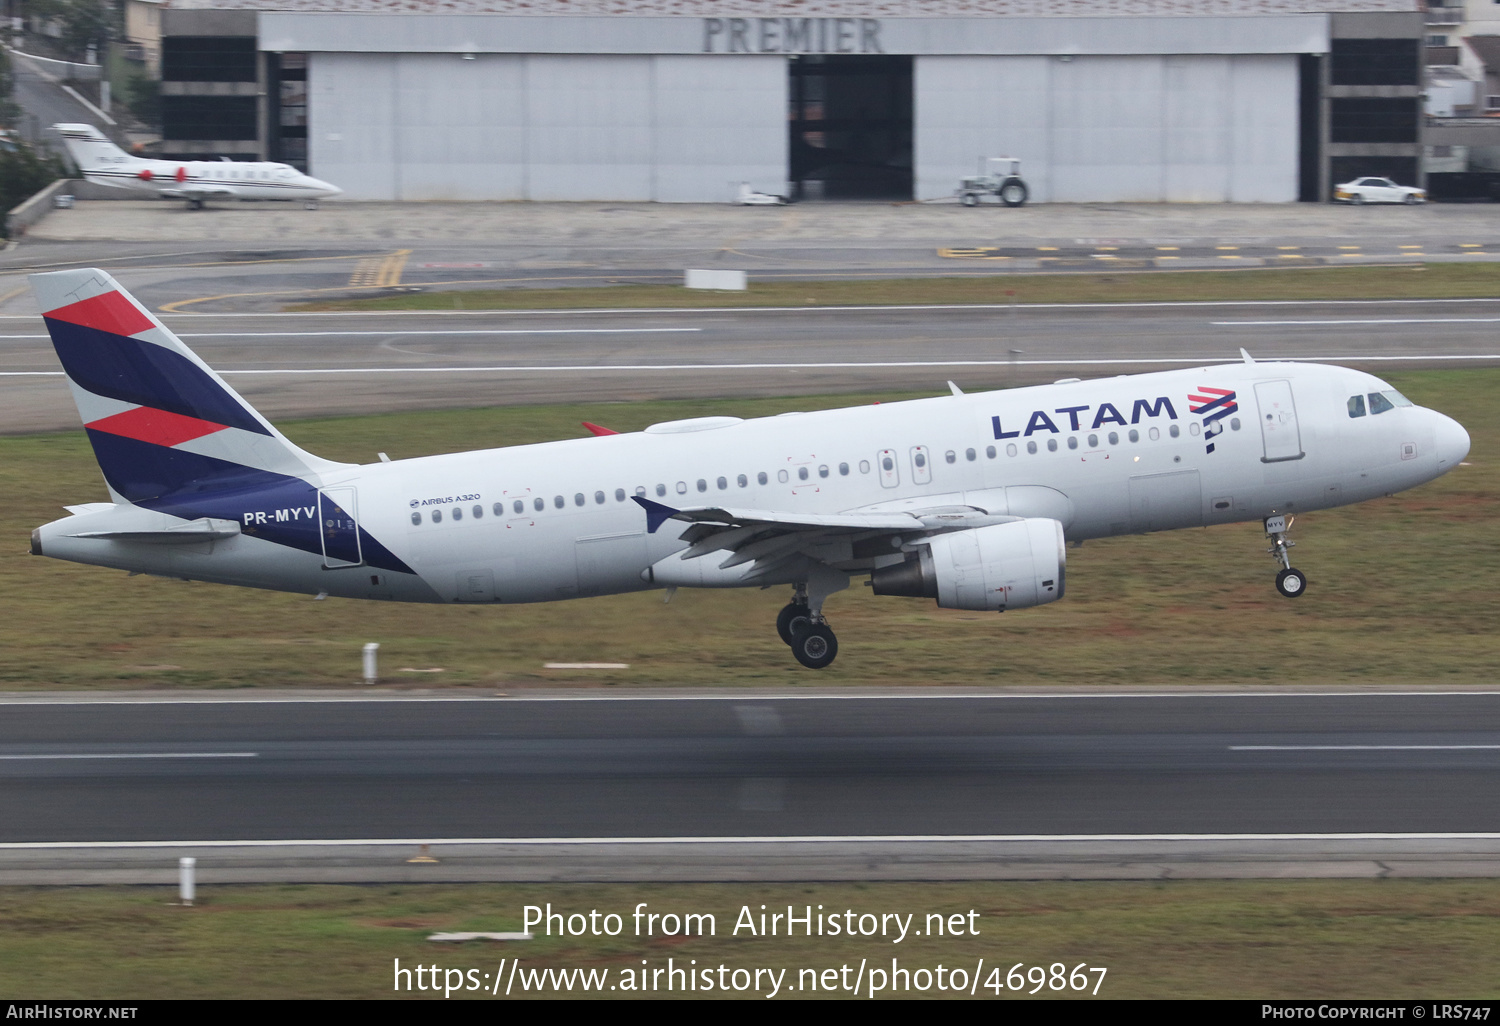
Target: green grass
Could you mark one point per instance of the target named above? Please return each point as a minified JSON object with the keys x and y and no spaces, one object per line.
{"x":1402,"y":591}
{"x":1185,"y":939}
{"x":1405,"y":281}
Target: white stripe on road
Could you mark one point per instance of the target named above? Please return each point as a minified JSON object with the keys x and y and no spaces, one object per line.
{"x":1383,"y":320}
{"x":385,"y":334}
{"x":1361,"y":748}
{"x":136,"y":755}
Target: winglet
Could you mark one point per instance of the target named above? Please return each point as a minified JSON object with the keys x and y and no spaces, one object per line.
{"x":595,"y":429}
{"x":1246,"y":355}
{"x":656,"y":513}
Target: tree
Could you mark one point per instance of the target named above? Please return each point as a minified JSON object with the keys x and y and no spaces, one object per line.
{"x":84,"y":23}
{"x":23,"y":173}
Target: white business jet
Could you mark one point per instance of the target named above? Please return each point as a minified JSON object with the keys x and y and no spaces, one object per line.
{"x":966,"y":499}
{"x":195,"y":181}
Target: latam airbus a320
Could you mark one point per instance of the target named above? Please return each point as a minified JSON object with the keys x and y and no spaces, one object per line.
{"x":196,"y":181}
{"x":967,"y":499}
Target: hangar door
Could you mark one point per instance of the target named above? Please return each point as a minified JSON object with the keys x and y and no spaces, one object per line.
{"x":851,"y":126}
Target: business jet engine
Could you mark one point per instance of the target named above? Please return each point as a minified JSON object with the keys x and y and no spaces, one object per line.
{"x":999,"y":567}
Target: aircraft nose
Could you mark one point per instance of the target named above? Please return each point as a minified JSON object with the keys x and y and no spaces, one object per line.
{"x":329,"y":190}
{"x":1451,"y":442}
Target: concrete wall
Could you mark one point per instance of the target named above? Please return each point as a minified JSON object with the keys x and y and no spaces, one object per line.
{"x":1113,"y":128}
{"x":427,"y":126}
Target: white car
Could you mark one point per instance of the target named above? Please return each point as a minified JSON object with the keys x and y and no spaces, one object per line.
{"x":1377,"y":190}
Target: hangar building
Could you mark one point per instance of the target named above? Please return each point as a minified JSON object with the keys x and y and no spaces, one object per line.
{"x":682,"y":100}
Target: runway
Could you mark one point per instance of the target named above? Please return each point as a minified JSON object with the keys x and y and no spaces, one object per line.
{"x":971,"y":781}
{"x":292,"y":365}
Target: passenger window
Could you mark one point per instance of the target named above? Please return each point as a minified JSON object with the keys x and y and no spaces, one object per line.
{"x":887,"y":464}
{"x":578,"y":498}
{"x":761,"y":478}
{"x":681,"y":487}
{"x":478,"y":511}
{"x":950,"y":456}
{"x":823,"y":470}
{"x":920,"y":459}
{"x":1135,"y":436}
{"x":723,"y":483}
{"x":742,"y":481}
{"x":989,"y":451}
{"x":620,"y":494}
{"x":843,"y":470}
{"x":519,"y":507}
{"x":1114,"y":438}
{"x":864,"y":466}
{"x":1051,"y":445}
{"x":599,"y":498}
{"x":640,"y":490}
{"x":1234,"y":423}
{"x":499,"y":509}
{"x":1174,"y":431}
{"x":1072,"y":441}
{"x":1031,"y":448}
{"x":1010,"y":449}
{"x":661,"y":490}
{"x":559,"y":501}
{"x":1153,"y":434}
{"x":538,"y":504}
{"x":781,"y":476}
{"x":702,"y":485}
{"x":970,"y":455}
{"x":458,"y":513}
{"x":1193,"y":429}
{"x":1093,"y":441}
{"x":1379,"y":403}
{"x":801,"y":473}
{"x":437,"y":516}
{"x":416,"y":518}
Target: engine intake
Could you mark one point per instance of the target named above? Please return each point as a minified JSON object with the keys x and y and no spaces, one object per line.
{"x":1000,"y":567}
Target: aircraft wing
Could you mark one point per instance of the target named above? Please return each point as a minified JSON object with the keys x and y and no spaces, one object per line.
{"x":771,"y":538}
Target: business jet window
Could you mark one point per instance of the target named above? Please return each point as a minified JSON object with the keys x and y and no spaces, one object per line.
{"x":1356,"y":406}
{"x":702,"y":485}
{"x":1051,"y":445}
{"x":989,"y":451}
{"x":538,"y":504}
{"x":1154,"y":434}
{"x":761,"y":478}
{"x":458,"y":512}
{"x":1174,"y":431}
{"x":782,"y":476}
{"x":599,"y":498}
{"x":970,"y":455}
{"x":1031,"y":448}
{"x":416,"y":518}
{"x":1135,"y":436}
{"x":1093,"y":441}
{"x":1010,"y":449}
{"x":801,"y":473}
{"x":437,"y":516}
{"x":742,"y":481}
{"x":1072,"y":441}
{"x":823,"y":470}
{"x":843,"y":470}
{"x":1379,"y":403}
{"x":864,"y":466}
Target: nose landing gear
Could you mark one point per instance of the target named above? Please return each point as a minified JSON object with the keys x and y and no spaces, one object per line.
{"x":1290,"y":581}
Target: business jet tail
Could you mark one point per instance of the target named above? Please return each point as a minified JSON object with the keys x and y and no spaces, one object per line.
{"x":91,"y":148}
{"x":161,"y":422}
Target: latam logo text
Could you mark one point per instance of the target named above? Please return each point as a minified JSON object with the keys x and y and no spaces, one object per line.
{"x":280,"y":516}
{"x":1215,"y":404}
{"x":1106,"y":413}
{"x":791,"y":35}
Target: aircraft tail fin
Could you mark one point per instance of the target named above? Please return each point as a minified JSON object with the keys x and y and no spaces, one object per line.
{"x":160,"y":420}
{"x":89,"y":147}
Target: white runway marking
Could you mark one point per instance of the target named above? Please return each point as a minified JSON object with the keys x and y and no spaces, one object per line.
{"x":1372,"y":320}
{"x":136,"y":755}
{"x":1362,"y":748}
{"x":384,"y":334}
{"x":407,"y":842}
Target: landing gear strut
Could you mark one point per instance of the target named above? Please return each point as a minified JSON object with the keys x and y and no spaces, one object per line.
{"x":1290,"y":581}
{"x":801,"y":624}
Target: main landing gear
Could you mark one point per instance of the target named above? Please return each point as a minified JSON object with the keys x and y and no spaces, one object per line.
{"x":806,"y":632}
{"x":1290,"y":581}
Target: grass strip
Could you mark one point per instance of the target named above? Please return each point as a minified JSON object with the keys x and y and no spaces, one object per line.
{"x":1297,"y":939}
{"x":1402,"y":281}
{"x":1401,"y":592}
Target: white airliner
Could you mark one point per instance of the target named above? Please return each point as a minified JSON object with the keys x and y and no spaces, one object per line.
{"x":101,"y":161}
{"x":963,"y":498}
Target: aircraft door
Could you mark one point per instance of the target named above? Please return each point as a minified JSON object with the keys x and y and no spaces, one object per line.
{"x":338,"y":518}
{"x":885,"y":462}
{"x":921,"y":465}
{"x":1278,"y":421}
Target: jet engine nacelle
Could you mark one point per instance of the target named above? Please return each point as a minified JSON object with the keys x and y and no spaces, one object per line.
{"x":1000,"y":567}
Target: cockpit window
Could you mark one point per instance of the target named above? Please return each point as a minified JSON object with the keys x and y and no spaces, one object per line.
{"x":1379,"y":403}
{"x":1397,"y":398}
{"x":1356,"y":406}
